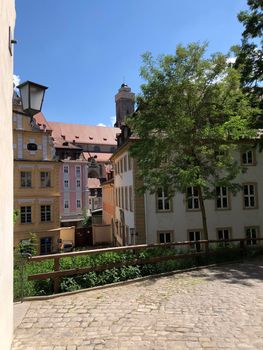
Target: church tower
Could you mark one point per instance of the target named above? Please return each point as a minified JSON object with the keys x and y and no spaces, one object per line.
{"x":124,"y":100}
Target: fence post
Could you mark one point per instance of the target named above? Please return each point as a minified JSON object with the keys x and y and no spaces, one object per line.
{"x":56,"y":280}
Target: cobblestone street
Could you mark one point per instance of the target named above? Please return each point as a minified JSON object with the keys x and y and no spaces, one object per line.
{"x":216,"y":308}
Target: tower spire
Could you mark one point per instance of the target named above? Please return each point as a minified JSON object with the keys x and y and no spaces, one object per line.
{"x":124,"y":100}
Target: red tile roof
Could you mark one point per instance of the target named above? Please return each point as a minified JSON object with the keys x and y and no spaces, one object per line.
{"x":100,"y":157}
{"x":89,"y":134}
{"x":41,"y":121}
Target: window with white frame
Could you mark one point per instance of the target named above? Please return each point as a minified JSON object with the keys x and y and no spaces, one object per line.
{"x":26,"y":179}
{"x":129,"y":162}
{"x":78,"y":203}
{"x":250,"y":198}
{"x":78,"y":171}
{"x":248,"y":157}
{"x":45,"y":213}
{"x":222,"y":197}
{"x":45,"y":179}
{"x":65,"y":169}
{"x":66,"y":204}
{"x":192,"y":198}
{"x":162,"y":201}
{"x":164,"y":237}
{"x":26,"y":215}
{"x":223,"y":234}
{"x":251,"y":235}
{"x":65,"y":183}
{"x":130,"y":198}
{"x":78,"y":183}
{"x":195,"y":236}
{"x":125,"y":164}
{"x":126,"y":197}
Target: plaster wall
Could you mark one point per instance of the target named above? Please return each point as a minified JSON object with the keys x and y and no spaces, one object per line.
{"x":7,"y":20}
{"x":180,"y":220}
{"x":124,"y":179}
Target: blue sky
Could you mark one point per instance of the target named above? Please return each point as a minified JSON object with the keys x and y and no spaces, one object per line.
{"x":84,"y":49}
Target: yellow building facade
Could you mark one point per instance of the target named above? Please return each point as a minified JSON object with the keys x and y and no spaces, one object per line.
{"x":36,"y":183}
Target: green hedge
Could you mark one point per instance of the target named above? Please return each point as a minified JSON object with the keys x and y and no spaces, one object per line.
{"x":22,"y":268}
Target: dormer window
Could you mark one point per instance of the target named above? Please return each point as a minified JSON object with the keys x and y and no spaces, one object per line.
{"x":32,"y":146}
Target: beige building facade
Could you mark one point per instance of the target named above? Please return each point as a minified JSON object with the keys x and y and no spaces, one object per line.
{"x":7,"y":23}
{"x":36,"y":183}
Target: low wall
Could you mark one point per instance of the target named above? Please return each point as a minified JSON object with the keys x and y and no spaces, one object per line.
{"x":101,"y":234}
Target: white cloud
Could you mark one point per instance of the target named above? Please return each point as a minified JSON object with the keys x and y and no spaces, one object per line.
{"x":112,"y":120}
{"x":231,"y":60}
{"x":111,"y":123}
{"x":16,"y":80}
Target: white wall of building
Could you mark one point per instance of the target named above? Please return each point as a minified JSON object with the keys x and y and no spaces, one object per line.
{"x":180,"y":220}
{"x":122,"y":180}
{"x":7,"y":20}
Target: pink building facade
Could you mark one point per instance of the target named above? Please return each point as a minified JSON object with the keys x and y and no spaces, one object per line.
{"x":74,"y":191}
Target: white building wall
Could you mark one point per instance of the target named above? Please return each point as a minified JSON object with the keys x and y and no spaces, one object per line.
{"x":122,"y":180}
{"x":7,"y":19}
{"x":180,"y":220}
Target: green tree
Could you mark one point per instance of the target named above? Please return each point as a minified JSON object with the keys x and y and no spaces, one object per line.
{"x":250,"y":54}
{"x":191,"y":115}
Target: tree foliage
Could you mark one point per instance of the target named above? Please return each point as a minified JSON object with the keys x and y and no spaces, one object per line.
{"x":250,"y":54}
{"x":191,"y":115}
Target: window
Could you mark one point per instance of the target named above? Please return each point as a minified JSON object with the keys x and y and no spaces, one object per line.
{"x":32,"y":146}
{"x":163,"y":203}
{"x":192,"y":198}
{"x":251,"y":235}
{"x":45,"y":213}
{"x":221,"y":197}
{"x":65,"y":169}
{"x":121,"y":166}
{"x":131,"y":198}
{"x":119,"y":197}
{"x":78,"y":183}
{"x":122,"y":197}
{"x":78,"y":203}
{"x":248,"y":158}
{"x":45,"y":179}
{"x":65,"y":183}
{"x":96,"y":148}
{"x":195,"y":236}
{"x":223,"y":234}
{"x":129,"y":162}
{"x":116,"y":196}
{"x":66,"y":204}
{"x":77,"y":171}
{"x":26,"y":179}
{"x":126,"y":197}
{"x":164,"y":237}
{"x":25,"y":215}
{"x":125,"y":163}
{"x":249,"y":192}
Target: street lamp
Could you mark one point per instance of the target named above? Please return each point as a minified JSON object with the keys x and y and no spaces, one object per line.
{"x":32,"y":96}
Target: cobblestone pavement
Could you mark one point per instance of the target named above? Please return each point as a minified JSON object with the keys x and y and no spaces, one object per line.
{"x":216,"y":308}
